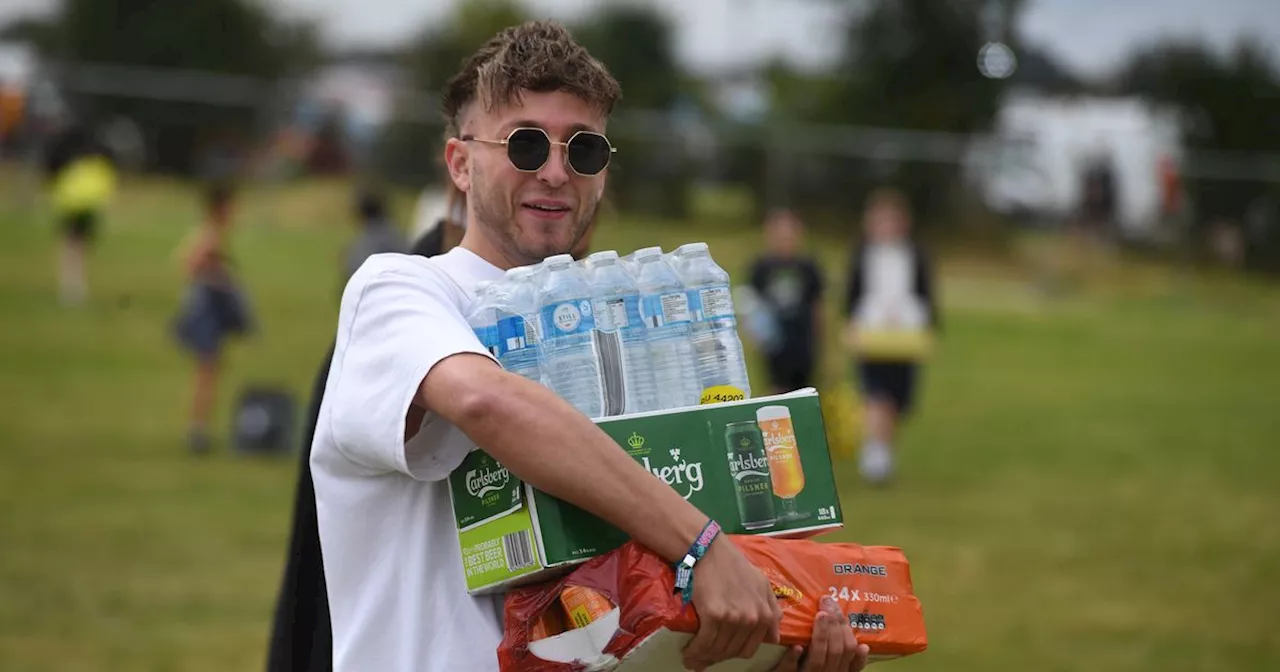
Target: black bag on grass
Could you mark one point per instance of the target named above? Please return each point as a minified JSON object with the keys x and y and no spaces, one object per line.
{"x":264,"y":422}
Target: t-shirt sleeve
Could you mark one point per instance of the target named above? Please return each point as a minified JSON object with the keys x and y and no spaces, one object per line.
{"x":398,"y":323}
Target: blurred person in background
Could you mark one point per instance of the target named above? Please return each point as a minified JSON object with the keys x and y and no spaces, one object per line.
{"x":12,"y":107}
{"x":301,"y":635}
{"x":1098,"y":198}
{"x":789,"y":285}
{"x":82,"y":179}
{"x":378,"y":233}
{"x":890,"y":293}
{"x":214,"y":308}
{"x":437,"y":226}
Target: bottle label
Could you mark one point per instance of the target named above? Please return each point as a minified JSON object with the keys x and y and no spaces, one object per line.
{"x":488,"y":336}
{"x":513,"y":335}
{"x":567,"y":318}
{"x":664,"y":309}
{"x":530,"y":331}
{"x":715,"y":302}
{"x":719,"y":394}
{"x":618,"y":313}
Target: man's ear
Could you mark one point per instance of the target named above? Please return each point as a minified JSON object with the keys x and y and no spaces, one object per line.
{"x":457,"y":157}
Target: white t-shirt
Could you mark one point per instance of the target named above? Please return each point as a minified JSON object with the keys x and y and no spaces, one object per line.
{"x":397,"y":595}
{"x":889,"y":300}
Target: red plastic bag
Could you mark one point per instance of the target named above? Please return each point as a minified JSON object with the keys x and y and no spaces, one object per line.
{"x":872,"y":585}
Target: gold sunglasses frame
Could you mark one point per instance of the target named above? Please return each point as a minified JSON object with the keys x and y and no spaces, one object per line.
{"x":553,"y":143}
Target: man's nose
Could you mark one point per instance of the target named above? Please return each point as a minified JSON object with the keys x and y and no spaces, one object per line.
{"x":555,"y":172}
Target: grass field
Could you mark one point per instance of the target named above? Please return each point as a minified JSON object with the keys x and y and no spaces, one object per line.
{"x":1091,"y":484}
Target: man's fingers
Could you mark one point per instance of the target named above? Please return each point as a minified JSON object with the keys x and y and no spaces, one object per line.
{"x":774,"y":635}
{"x":851,"y":648}
{"x":697,"y":654}
{"x":834,"y":629}
{"x":860,"y":661}
{"x":765,"y":621}
{"x":756,"y":636}
{"x":733,"y":639}
{"x":790,"y":660}
{"x":814,"y":662}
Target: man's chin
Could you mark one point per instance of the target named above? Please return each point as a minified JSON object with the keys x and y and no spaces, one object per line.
{"x":547,"y":246}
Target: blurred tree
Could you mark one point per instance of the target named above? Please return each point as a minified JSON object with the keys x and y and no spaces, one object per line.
{"x":653,"y":173}
{"x":410,"y":148}
{"x":912,"y":64}
{"x":237,"y":37}
{"x":1233,"y":101}
{"x":1230,"y":103}
{"x":41,"y":34}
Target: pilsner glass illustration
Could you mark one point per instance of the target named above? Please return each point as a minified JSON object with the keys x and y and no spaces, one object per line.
{"x":784,"y":458}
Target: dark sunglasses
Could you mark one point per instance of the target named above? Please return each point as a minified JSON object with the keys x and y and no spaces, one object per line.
{"x":587,"y":152}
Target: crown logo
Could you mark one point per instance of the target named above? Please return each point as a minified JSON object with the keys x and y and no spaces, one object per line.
{"x":635,"y":441}
{"x":745,"y":443}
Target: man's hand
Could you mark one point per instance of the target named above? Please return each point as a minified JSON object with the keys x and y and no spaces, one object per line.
{"x":736,"y":608}
{"x":834,"y":648}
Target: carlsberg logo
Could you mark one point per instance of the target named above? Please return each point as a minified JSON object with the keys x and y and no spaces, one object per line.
{"x":481,"y":483}
{"x":776,"y":440}
{"x":683,"y":477}
{"x":749,"y":465}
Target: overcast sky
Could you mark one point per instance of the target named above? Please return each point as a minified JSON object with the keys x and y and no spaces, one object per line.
{"x":1090,"y":36}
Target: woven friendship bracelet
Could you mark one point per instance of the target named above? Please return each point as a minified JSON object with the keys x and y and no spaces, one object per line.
{"x":684,"y":568}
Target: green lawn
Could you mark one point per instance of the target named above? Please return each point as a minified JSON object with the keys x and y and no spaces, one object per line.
{"x":1090,"y":483}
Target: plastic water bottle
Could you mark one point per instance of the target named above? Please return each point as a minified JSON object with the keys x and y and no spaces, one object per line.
{"x":517,"y":334}
{"x":569,"y":357}
{"x":664,"y":306}
{"x":621,"y":337}
{"x":715,"y":326}
{"x":629,"y":263}
{"x":484,"y":317}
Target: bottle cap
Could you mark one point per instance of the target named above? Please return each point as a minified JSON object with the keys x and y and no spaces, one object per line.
{"x":647,"y":253}
{"x":690,"y":248}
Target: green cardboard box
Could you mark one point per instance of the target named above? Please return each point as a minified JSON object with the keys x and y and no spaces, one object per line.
{"x":758,"y":466}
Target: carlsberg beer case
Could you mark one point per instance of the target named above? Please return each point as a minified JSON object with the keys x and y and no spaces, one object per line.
{"x":758,"y":466}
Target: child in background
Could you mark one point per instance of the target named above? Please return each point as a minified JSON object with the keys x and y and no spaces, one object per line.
{"x":82,"y":176}
{"x":890,"y":291}
{"x":789,"y":286}
{"x":378,"y":233}
{"x":213,"y":310}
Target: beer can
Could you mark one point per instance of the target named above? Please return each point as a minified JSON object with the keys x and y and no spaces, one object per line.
{"x":749,"y":467}
{"x":584,"y":605}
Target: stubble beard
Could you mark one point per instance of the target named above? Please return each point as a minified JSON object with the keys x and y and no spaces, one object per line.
{"x":495,"y":214}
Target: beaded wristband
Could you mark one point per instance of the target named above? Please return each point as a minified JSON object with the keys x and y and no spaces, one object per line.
{"x":684,"y":568}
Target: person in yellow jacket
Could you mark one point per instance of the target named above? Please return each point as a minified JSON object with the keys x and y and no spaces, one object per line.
{"x":891,"y":318}
{"x":82,"y":180}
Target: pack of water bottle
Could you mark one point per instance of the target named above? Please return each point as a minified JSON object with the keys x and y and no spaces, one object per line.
{"x":617,"y":335}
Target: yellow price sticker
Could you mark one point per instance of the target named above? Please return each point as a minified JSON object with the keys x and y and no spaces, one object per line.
{"x":719,"y":394}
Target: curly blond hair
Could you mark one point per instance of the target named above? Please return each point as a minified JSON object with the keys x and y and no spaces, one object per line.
{"x":537,"y":56}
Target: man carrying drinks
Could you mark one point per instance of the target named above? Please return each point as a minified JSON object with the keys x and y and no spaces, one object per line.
{"x":411,"y":391}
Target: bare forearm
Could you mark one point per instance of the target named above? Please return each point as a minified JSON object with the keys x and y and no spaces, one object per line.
{"x":547,"y":443}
